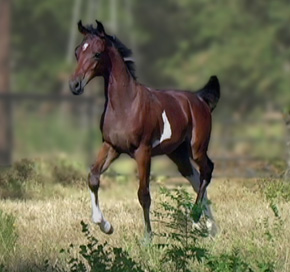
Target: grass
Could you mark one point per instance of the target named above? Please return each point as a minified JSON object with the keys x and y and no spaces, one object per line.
{"x":8,"y":235}
{"x":48,"y":222}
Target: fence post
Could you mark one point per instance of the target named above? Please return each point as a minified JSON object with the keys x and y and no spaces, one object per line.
{"x":5,"y":104}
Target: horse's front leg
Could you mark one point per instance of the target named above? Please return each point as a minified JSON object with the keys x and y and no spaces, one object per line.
{"x":105,"y":157}
{"x":143,"y":159}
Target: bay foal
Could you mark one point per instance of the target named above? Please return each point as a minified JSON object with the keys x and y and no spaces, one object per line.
{"x":144,"y":122}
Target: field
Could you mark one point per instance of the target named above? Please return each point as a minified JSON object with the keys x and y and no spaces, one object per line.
{"x":252,"y":215}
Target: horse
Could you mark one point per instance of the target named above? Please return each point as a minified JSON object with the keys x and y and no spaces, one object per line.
{"x":144,"y":122}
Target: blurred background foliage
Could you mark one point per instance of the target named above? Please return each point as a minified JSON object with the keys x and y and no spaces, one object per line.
{"x":176,"y":44}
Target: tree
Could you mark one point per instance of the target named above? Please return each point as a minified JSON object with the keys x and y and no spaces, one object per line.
{"x":245,"y":43}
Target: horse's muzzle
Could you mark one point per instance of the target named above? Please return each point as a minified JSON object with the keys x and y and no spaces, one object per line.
{"x":76,"y":86}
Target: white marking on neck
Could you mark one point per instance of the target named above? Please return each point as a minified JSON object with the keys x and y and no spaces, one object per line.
{"x":167,"y":133}
{"x":85,"y":46}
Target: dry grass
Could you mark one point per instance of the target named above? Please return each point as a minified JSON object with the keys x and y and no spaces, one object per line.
{"x":46,"y":226}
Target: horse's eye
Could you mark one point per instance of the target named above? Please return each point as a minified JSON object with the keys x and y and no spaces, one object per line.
{"x":97,"y":55}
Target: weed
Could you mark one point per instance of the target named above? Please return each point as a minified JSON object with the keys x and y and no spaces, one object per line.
{"x":14,"y":180}
{"x":66,"y":173}
{"x":25,"y":169}
{"x":277,"y":190}
{"x":181,"y":245}
{"x":95,"y":256}
{"x":27,"y":178}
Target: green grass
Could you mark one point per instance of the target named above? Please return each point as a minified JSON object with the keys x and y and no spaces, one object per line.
{"x":8,"y":236}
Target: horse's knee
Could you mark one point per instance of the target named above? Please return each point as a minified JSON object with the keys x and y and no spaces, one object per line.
{"x":93,"y":182}
{"x":144,"y":197}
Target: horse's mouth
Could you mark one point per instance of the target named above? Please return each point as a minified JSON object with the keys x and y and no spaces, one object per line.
{"x":79,"y":92}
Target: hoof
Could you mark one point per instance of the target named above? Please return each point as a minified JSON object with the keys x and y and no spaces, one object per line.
{"x":147,"y":239}
{"x":111,"y":230}
{"x":106,"y":227}
{"x":148,"y":236}
{"x":206,"y":226}
{"x":212,"y":228}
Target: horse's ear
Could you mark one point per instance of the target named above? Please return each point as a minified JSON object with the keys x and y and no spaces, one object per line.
{"x":81,"y":28}
{"x":100,"y":29}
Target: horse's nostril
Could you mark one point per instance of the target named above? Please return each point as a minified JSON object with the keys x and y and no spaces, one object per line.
{"x":77,"y":85}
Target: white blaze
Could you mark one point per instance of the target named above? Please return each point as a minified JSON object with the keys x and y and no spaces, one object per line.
{"x":85,"y":46}
{"x":167,"y":133}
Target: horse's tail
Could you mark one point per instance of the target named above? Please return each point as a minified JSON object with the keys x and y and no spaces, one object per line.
{"x":210,"y":93}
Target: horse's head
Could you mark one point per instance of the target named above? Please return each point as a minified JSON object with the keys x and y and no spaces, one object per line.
{"x":90,"y":55}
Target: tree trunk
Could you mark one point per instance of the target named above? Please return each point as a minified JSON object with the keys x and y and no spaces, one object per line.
{"x":5,"y":104}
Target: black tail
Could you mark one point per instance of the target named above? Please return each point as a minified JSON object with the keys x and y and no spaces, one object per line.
{"x":210,"y":93}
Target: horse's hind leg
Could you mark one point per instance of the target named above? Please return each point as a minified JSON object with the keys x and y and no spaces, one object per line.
{"x":105,"y":157}
{"x":206,"y":167}
{"x":182,"y":158}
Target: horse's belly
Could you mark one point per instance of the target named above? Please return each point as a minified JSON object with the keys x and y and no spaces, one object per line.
{"x":164,"y":148}
{"x":123,"y":141}
{"x":168,"y":146}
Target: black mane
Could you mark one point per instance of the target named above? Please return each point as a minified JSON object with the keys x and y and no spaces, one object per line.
{"x":124,"y":51}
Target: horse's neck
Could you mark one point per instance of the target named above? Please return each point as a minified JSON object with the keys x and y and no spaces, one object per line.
{"x":119,"y":85}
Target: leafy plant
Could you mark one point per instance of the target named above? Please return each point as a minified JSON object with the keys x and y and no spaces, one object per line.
{"x":95,"y":256}
{"x":228,"y":262}
{"x":181,"y":244}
